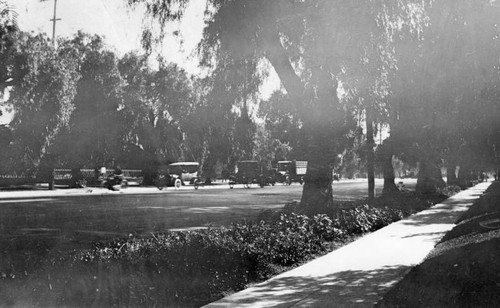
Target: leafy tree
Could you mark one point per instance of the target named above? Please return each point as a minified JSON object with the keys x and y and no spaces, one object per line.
{"x":8,"y":32}
{"x":97,"y":129}
{"x":222,"y":122}
{"x":282,"y":128}
{"x":158,"y":104}
{"x":42,"y":99}
{"x":307,"y":44}
{"x":438,"y":83}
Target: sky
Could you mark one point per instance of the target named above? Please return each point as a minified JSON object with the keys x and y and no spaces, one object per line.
{"x":118,"y":24}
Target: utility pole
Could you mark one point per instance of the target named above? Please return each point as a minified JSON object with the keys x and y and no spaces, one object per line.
{"x":54,"y":20}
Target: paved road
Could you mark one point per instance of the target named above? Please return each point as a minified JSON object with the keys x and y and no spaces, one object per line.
{"x":70,"y":218}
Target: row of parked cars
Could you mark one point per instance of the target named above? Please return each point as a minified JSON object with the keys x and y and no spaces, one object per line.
{"x":247,"y":172}
{"x":178,"y":174}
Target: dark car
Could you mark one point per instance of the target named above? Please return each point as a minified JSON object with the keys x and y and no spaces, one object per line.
{"x":291,"y":171}
{"x":247,"y":172}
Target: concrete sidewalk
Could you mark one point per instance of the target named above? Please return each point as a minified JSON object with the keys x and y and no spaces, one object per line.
{"x":360,"y":273}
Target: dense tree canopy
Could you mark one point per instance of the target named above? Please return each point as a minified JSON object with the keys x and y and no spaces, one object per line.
{"x":311,"y":46}
{"x":42,"y":98}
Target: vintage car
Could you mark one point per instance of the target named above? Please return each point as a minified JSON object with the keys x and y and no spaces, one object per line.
{"x":177,"y":175}
{"x":248,"y":172}
{"x":291,"y":171}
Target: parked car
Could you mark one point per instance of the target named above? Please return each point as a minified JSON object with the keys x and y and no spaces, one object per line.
{"x":247,"y":172}
{"x":177,"y":175}
{"x":291,"y":171}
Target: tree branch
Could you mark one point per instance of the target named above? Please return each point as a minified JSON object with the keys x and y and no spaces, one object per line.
{"x":277,"y":56}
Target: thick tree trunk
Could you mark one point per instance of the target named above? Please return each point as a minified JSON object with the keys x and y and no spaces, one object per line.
{"x":370,"y":154}
{"x":317,"y":193}
{"x":319,"y":108}
{"x":150,"y":165}
{"x":429,"y":178}
{"x":389,"y":178}
{"x":386,"y":153}
{"x":465,"y":176}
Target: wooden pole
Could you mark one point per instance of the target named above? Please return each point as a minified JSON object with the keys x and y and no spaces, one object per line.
{"x":54,"y":20}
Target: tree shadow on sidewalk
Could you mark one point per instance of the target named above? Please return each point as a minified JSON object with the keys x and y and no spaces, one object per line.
{"x":356,"y":287}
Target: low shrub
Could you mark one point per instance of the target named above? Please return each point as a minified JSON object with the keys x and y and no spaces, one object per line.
{"x":365,"y":218}
{"x":449,"y":190}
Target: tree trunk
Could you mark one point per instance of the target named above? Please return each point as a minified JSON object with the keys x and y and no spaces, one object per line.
{"x":388,"y":169}
{"x":389,"y":178}
{"x":150,"y":165}
{"x":370,"y":154}
{"x":451,"y":177}
{"x":321,"y":114}
{"x":205,"y":165}
{"x":429,"y":178}
{"x":465,"y":176}
{"x":317,"y":193}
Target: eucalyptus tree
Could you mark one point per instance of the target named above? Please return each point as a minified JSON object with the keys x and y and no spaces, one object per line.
{"x":8,"y":31}
{"x":281,"y":128}
{"x":365,"y":81}
{"x":157,"y":104}
{"x":42,"y":98}
{"x":475,"y":27}
{"x":437,"y":102}
{"x":96,"y":133}
{"x":8,"y":34}
{"x":307,"y":43}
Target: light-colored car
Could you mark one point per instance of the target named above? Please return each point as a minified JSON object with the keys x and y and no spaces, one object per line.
{"x":178,"y":174}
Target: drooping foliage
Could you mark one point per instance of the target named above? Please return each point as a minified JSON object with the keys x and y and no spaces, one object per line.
{"x":157,"y":105}
{"x":310,"y":45}
{"x":8,"y":31}
{"x":438,"y":109}
{"x":42,"y":99}
{"x":97,"y":125}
